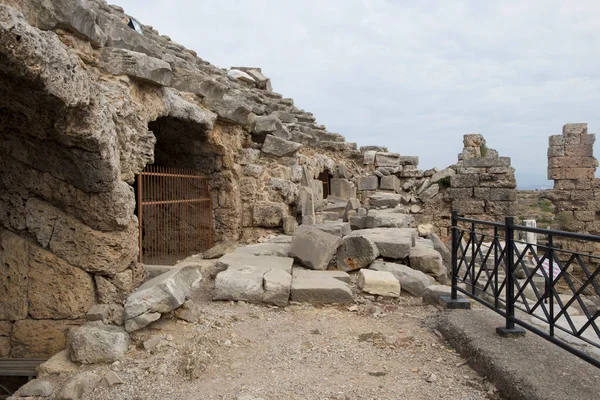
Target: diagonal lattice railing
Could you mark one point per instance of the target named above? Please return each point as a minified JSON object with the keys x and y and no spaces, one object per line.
{"x":544,"y":288}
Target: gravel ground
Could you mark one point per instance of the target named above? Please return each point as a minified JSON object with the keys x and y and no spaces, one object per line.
{"x":372,"y":350}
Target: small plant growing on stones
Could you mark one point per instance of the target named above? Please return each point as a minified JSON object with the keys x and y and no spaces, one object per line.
{"x":483,"y":149}
{"x":444,"y":182}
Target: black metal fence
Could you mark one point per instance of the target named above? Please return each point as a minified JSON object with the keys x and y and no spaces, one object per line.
{"x":546,"y":289}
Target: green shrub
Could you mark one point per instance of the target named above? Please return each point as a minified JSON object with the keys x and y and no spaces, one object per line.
{"x":444,"y":182}
{"x":483,"y":150}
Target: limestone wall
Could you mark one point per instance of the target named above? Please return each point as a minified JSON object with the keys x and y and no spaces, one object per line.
{"x":576,"y":193}
{"x":86,"y":103}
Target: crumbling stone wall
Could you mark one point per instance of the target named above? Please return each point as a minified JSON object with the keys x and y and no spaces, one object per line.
{"x":86,"y":103}
{"x":481,"y":185}
{"x":484,"y":186}
{"x":576,"y":193}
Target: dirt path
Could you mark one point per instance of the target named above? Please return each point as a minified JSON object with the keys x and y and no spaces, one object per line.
{"x":242,"y":351}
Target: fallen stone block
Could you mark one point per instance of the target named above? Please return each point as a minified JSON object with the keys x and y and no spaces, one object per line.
{"x":412,"y":281}
{"x":162,"y":294}
{"x":319,"y":290}
{"x":254,"y":284}
{"x":390,"y":182}
{"x":270,"y":262}
{"x":387,"y":159}
{"x":308,"y":273}
{"x":79,"y":387}
{"x":95,"y":343}
{"x":137,"y":65}
{"x":279,"y":147}
{"x":441,"y":248}
{"x":356,"y":252}
{"x":313,"y":247}
{"x":425,"y":259}
{"x":58,"y":364}
{"x":385,"y":200}
{"x":392,"y":243}
{"x":388,"y":219}
{"x":432,"y":294}
{"x":368,"y":182}
{"x":156,"y":270}
{"x":381,"y":283}
{"x":265,"y":249}
{"x":358,"y":222}
{"x":339,"y":229}
{"x":219,"y":250}
{"x":36,"y":388}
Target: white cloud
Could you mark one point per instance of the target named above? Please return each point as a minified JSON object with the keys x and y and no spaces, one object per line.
{"x":414,"y":76}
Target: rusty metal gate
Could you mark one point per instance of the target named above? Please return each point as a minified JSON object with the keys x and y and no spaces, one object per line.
{"x":174,"y":209}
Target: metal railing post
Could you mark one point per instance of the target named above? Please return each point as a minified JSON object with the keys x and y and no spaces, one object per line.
{"x":454,"y":292}
{"x":509,"y":233}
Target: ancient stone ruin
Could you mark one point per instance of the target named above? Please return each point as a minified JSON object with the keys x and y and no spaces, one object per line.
{"x":576,"y":194}
{"x":87,"y":103}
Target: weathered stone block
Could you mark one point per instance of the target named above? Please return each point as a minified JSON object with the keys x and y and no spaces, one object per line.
{"x":430,"y":192}
{"x":556,"y":140}
{"x":574,"y":129}
{"x":497,"y":181}
{"x":409,"y":160}
{"x":585,"y":216}
{"x":56,"y":289}
{"x":579,"y":173}
{"x":369,"y":157}
{"x":486,"y":162}
{"x":356,"y":252}
{"x":14,"y":261}
{"x":40,"y":338}
{"x":387,"y":159}
{"x":313,"y":247}
{"x":137,"y":65}
{"x":581,"y":150}
{"x":279,"y":147}
{"x":320,"y":290}
{"x":468,"y":207}
{"x":458,"y":193}
{"x":340,"y":188}
{"x":390,"y":182}
{"x":267,"y":214}
{"x":381,"y":199}
{"x":464,"y":181}
{"x":162,"y":294}
{"x":380,"y":283}
{"x":391,"y":242}
{"x":503,"y":208}
{"x":95,"y":343}
{"x":368,"y":182}
{"x":425,"y":259}
{"x":411,"y":280}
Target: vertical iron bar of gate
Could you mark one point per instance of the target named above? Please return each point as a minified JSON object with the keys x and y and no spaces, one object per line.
{"x":550,"y":285}
{"x":454,"y":292}
{"x":510,"y":265}
{"x":139,"y":207}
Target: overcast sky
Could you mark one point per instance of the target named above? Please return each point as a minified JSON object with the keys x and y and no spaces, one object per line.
{"x":412,"y":75}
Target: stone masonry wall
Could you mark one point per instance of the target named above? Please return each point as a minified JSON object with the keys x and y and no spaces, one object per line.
{"x":484,"y":186}
{"x":576,"y":193}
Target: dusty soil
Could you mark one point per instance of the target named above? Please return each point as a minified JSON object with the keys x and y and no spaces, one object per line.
{"x":372,"y":350}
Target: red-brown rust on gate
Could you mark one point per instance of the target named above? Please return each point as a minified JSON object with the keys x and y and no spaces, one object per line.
{"x":174,"y":210}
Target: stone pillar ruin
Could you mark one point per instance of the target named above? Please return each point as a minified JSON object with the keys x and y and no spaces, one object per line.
{"x":576,"y":193}
{"x":484,"y":186}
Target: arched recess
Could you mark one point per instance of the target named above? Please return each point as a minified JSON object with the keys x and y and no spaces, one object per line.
{"x":325,"y":178}
{"x":201,"y":179}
